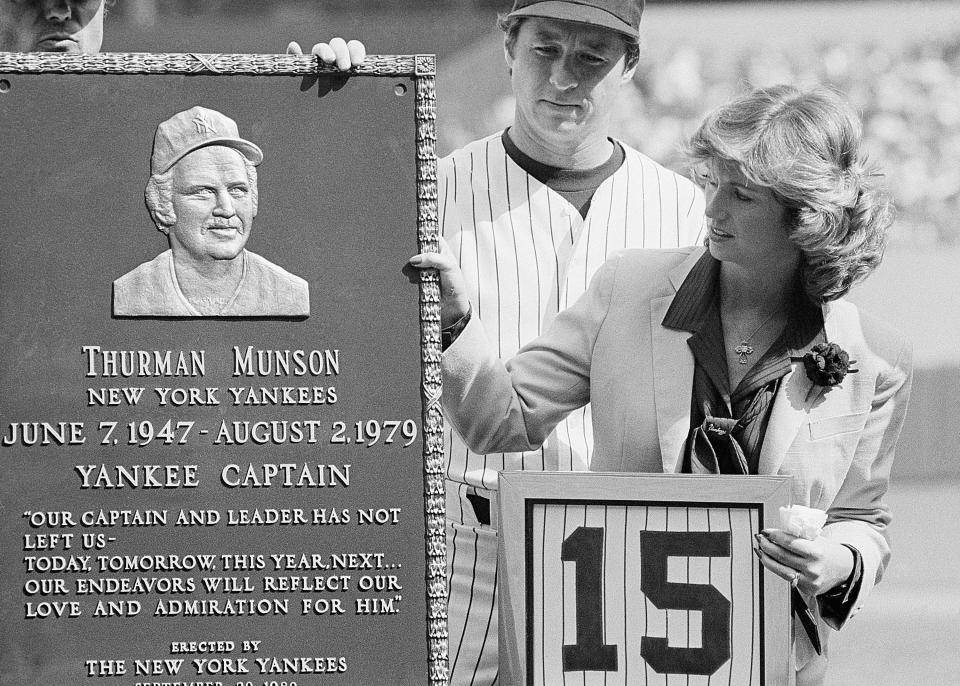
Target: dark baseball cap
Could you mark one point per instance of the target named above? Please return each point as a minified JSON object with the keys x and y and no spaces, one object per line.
{"x":619,"y":15}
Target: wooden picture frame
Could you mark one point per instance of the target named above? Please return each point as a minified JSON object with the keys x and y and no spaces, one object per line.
{"x":348,"y":194}
{"x":596,"y":573}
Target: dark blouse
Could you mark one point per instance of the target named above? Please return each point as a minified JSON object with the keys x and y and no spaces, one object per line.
{"x":696,"y":309}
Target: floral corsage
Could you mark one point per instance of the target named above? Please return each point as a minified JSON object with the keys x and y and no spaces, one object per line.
{"x":827,"y":364}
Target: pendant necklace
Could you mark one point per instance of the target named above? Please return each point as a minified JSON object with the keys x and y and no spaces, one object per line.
{"x":743,"y":348}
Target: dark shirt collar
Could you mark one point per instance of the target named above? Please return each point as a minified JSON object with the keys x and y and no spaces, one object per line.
{"x":698,"y":293}
{"x":560,"y":179}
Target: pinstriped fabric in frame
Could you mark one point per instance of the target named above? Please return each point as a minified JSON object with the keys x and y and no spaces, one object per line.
{"x":628,"y":614}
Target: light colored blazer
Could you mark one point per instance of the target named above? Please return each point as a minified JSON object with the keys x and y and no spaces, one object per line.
{"x":611,"y":350}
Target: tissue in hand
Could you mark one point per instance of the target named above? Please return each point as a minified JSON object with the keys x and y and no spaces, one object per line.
{"x":804,"y":522}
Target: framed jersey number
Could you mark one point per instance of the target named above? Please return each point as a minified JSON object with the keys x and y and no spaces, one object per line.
{"x":640,"y":579}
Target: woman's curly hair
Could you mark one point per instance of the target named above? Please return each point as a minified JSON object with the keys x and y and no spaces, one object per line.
{"x":805,"y":147}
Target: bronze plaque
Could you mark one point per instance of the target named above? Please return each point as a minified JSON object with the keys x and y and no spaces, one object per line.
{"x":219,"y":415}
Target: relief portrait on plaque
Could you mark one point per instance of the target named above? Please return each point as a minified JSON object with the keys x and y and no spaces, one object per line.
{"x":203,"y":195}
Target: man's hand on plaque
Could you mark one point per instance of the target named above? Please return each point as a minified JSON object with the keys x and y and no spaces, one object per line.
{"x":454,"y":302}
{"x":344,"y":54}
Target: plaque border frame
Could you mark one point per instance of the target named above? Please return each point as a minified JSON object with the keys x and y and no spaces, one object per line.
{"x":520,"y":491}
{"x":422,"y":68}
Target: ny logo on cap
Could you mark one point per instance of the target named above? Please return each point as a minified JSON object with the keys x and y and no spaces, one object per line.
{"x":204,"y":126}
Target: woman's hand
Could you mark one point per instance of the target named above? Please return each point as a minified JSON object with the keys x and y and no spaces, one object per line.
{"x":338,"y":51}
{"x":821,"y":563}
{"x":454,"y":303}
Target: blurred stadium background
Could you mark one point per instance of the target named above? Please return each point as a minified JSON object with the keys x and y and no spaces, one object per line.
{"x":898,"y":61}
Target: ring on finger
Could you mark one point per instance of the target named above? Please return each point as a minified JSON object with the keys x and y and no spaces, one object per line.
{"x":795,"y":579}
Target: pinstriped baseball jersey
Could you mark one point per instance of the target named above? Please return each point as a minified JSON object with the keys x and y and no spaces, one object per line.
{"x":526,"y":254}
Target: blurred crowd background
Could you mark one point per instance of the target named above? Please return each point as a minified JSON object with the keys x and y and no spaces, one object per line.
{"x":909,"y":96}
{"x":897,"y":61}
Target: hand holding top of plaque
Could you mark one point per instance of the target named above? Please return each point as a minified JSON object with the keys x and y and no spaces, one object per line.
{"x":344,"y":54}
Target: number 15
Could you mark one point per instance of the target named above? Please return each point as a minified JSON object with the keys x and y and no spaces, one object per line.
{"x":584,"y":547}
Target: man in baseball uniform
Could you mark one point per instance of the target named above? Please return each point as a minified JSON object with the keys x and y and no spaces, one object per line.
{"x":531,"y":212}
